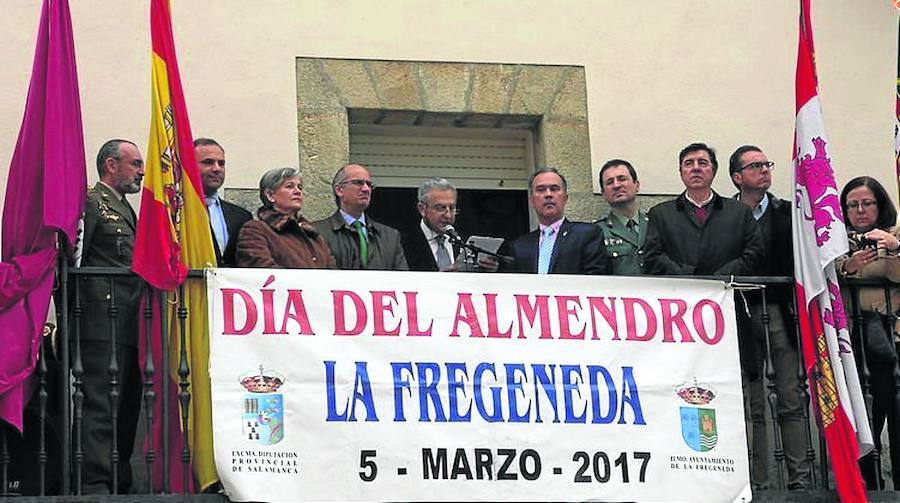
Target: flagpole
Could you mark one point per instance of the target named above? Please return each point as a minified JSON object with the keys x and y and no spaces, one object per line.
{"x":897,"y":114}
{"x":62,"y":332}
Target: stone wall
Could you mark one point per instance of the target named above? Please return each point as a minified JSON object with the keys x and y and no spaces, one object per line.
{"x":328,"y":88}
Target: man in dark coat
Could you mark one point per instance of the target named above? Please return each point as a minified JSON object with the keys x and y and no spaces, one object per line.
{"x":427,"y":246}
{"x":225,"y":219}
{"x":356,"y":241}
{"x":751,"y":173}
{"x":558,"y":245}
{"x":108,"y":241}
{"x":701,"y":232}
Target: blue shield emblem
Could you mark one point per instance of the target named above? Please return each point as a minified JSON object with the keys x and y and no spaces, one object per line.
{"x":698,"y":428}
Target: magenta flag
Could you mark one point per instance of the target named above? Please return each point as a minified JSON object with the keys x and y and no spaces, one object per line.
{"x":45,"y":193}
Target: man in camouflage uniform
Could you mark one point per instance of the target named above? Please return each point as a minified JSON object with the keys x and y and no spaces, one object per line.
{"x":625,"y":226}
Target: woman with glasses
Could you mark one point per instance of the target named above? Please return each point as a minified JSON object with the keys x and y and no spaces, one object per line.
{"x":282,"y":237}
{"x":871,"y":226}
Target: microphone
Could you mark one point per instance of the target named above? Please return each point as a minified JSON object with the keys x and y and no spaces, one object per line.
{"x":451,"y":232}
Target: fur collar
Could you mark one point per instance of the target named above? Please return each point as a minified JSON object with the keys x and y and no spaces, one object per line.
{"x":281,"y":222}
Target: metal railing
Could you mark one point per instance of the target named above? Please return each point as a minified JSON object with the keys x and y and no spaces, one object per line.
{"x":51,"y":458}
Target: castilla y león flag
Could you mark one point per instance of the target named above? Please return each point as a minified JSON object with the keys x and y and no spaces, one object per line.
{"x":819,"y":238}
{"x":172,"y":238}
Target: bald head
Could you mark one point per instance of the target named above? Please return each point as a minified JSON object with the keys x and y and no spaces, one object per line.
{"x":353,"y":189}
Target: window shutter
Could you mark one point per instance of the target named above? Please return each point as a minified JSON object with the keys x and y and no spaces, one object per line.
{"x":471,"y":158}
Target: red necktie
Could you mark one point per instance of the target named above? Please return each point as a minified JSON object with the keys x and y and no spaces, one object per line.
{"x":701,"y":213}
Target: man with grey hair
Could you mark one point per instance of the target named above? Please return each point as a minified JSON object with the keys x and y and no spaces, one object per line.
{"x":356,"y":241}
{"x":558,"y":245}
{"x":108,"y":241}
{"x":225,"y":219}
{"x":427,"y":246}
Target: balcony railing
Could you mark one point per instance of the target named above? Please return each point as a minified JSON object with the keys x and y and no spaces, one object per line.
{"x":50,"y":458}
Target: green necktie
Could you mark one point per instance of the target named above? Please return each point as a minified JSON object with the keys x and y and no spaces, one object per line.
{"x":363,"y":243}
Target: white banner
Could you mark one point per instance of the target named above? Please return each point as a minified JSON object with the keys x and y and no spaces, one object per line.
{"x":380,"y":386}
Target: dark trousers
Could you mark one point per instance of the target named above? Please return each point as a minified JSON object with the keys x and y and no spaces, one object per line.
{"x":881,"y":385}
{"x":881,"y":360}
{"x":789,"y":403}
{"x":97,"y":428}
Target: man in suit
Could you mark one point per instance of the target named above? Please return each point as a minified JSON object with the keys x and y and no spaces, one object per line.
{"x":108,"y":241}
{"x":751,"y":172}
{"x":625,"y":226}
{"x":427,"y":247}
{"x":559,"y":245}
{"x":701,"y":232}
{"x":225,"y":219}
{"x":356,"y":241}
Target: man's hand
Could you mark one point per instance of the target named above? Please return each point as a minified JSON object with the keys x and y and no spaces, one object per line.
{"x":488,"y":263}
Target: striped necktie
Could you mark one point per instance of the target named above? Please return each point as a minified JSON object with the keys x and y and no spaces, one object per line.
{"x":545,"y":252}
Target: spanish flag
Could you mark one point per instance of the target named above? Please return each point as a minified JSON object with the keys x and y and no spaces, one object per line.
{"x":172,"y":238}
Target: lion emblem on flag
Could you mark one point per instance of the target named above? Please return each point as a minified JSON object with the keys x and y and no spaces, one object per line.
{"x":815,"y":176}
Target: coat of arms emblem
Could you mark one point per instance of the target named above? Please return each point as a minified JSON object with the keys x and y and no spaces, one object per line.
{"x":698,"y":424}
{"x":263,"y":408}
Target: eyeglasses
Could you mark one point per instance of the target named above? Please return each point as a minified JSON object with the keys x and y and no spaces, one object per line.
{"x":758,"y":166}
{"x":359,"y":182}
{"x":864,"y":204}
{"x":440,"y":208}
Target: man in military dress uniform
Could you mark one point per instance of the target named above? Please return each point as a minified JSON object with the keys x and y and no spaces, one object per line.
{"x":625,"y":226}
{"x":108,"y":241}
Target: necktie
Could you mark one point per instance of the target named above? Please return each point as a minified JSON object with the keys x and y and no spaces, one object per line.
{"x":632,"y":226}
{"x":545,"y":252}
{"x":701,"y":214}
{"x":443,"y":258}
{"x":217,"y":222}
{"x":363,"y":243}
